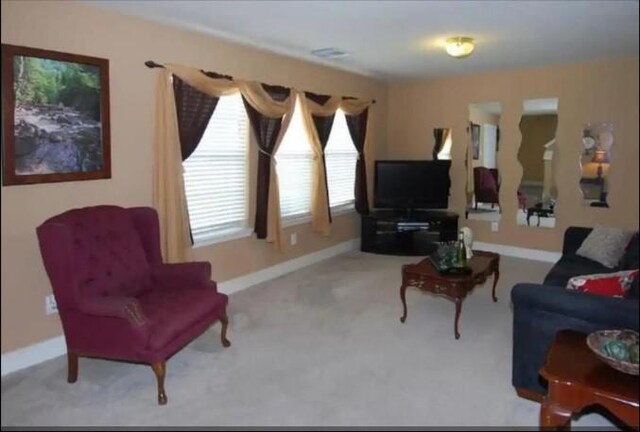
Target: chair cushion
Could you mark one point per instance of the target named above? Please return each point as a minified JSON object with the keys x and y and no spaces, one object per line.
{"x":171,"y":312}
{"x":631,"y":260}
{"x":572,"y":265}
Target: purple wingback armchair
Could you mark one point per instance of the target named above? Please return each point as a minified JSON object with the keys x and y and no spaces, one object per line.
{"x":115,"y":296}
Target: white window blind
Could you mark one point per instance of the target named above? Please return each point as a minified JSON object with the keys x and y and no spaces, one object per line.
{"x":341,"y":156}
{"x":294,"y":164}
{"x":215,"y":175}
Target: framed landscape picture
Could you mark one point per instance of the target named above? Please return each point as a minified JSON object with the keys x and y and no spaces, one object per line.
{"x":55,"y":116}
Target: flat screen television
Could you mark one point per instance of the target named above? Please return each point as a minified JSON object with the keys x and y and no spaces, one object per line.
{"x":417,"y":184}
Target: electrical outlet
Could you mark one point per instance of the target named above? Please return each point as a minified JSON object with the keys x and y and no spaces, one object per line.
{"x":50,"y":305}
{"x":294,"y":239}
{"x":494,"y":226}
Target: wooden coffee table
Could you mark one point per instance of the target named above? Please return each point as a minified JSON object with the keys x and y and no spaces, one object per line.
{"x":577,"y":379}
{"x":425,"y":277}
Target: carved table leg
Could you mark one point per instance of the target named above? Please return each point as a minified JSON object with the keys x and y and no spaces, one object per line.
{"x":403,"y":290}
{"x":496,"y":276}
{"x":553,"y":416}
{"x":458,"y":310}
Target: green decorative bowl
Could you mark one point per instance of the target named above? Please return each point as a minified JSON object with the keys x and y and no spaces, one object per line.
{"x":617,"y":348}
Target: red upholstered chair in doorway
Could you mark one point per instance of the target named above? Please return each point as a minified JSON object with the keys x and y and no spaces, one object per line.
{"x":486,"y":186}
{"x":116,"y":298}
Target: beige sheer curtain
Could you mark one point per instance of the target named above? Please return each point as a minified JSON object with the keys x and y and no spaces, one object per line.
{"x":274,"y":219}
{"x":168,"y":187}
{"x":320,"y":219}
{"x":169,"y":196}
{"x":256,"y":96}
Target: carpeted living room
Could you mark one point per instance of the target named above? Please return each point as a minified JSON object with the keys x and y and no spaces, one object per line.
{"x":318,"y":214}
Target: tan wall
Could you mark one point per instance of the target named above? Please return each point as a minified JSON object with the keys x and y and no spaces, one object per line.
{"x":127,"y":42}
{"x":590,"y":92}
{"x":537,"y":130}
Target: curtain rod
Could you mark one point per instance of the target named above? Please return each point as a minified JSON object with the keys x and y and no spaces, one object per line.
{"x":151,"y":65}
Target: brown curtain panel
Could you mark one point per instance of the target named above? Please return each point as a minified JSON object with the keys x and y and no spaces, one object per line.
{"x":323,"y":127}
{"x":438,"y":135}
{"x":266,"y":131}
{"x":194,"y":110}
{"x":357,"y":125}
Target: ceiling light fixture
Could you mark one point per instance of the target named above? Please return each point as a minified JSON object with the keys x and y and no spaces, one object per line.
{"x":330,"y":53}
{"x":459,"y":46}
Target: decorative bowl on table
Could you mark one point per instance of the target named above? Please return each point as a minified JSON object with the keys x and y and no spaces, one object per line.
{"x":445,"y":260}
{"x":617,"y":348}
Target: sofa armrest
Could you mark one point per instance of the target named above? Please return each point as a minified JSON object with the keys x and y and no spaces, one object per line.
{"x":617,"y":312}
{"x":192,"y":273}
{"x":573,"y":238}
{"x":540,"y":311}
{"x":114,"y":307}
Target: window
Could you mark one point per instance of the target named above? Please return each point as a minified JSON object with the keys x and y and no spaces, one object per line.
{"x":341,"y":156}
{"x":215,"y":175}
{"x":295,"y":159}
{"x":445,"y":153}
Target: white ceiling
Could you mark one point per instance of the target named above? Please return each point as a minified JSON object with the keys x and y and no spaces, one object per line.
{"x":403,"y":39}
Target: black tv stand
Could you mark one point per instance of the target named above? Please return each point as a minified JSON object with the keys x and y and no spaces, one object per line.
{"x":407,"y":232}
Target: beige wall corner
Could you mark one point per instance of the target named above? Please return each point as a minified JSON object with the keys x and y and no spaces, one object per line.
{"x":599,"y":91}
{"x":128,"y":42}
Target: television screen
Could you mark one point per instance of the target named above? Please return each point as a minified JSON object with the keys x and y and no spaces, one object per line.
{"x":412,"y":184}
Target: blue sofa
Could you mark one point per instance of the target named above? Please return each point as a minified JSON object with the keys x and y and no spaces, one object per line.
{"x":541,"y":310}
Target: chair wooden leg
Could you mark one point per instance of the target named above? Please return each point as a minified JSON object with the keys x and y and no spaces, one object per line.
{"x":224,"y":319}
{"x":72,"y":367}
{"x":160,"y":370}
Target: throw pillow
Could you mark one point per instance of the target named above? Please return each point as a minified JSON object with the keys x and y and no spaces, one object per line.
{"x":605,"y":284}
{"x":605,"y":245}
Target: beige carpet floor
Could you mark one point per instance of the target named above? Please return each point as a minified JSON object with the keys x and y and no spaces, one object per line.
{"x":322,"y":346}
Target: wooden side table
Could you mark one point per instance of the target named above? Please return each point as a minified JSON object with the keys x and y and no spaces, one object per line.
{"x":426,"y":277}
{"x":577,"y":379}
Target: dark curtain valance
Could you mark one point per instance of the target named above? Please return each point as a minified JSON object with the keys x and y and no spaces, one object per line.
{"x":438,"y":136}
{"x":194,"y":110}
{"x":357,"y":125}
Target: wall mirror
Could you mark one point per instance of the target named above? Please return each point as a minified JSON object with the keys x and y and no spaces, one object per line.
{"x":537,"y":192}
{"x":483,"y":172}
{"x":595,"y":163}
{"x":442,"y":144}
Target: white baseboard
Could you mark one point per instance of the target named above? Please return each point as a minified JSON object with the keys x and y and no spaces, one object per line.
{"x":33,"y":354}
{"x":519,"y":252}
{"x":242,"y":282}
{"x":46,"y":350}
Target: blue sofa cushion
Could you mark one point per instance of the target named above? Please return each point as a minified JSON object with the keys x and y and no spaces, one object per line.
{"x":572,"y":265}
{"x":634,"y":291}
{"x":630,"y":259}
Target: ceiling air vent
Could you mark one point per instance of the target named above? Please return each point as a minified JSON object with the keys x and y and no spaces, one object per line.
{"x":329,"y":53}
